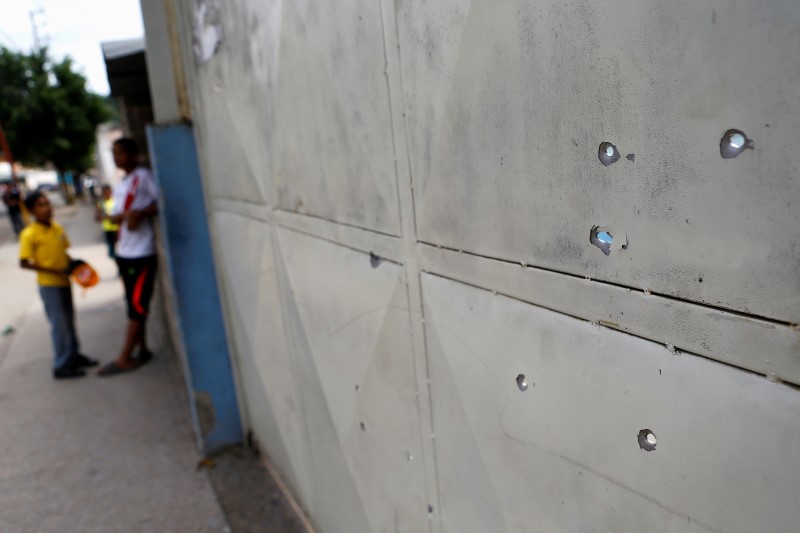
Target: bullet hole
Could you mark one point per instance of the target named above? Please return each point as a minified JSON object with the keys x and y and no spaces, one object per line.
{"x":647,"y":440}
{"x":363,"y":426}
{"x":358,"y":388}
{"x":630,"y":157}
{"x":659,"y":371}
{"x":608,"y":154}
{"x":607,"y":239}
{"x":700,"y":280}
{"x":409,"y":457}
{"x":733,"y":143}
{"x":522,"y":382}
{"x":430,"y":509}
{"x":374,"y":260}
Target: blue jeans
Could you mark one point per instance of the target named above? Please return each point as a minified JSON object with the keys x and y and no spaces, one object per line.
{"x":61,"y":314}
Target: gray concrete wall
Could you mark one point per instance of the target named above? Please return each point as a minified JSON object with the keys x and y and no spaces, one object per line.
{"x":401,"y":196}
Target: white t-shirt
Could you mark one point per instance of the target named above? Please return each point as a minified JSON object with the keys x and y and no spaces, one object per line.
{"x":137,"y":191}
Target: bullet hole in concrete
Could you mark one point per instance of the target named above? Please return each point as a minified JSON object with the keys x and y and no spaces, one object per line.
{"x":630,"y":157}
{"x":358,"y":388}
{"x":608,"y":154}
{"x":607,"y":239}
{"x":522,"y":382}
{"x":363,"y":426}
{"x":647,"y":440}
{"x":733,"y":143}
{"x":374,"y":260}
{"x":700,"y":280}
{"x":430,"y":509}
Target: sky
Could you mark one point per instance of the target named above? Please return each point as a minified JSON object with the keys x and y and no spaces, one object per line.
{"x":72,"y":28}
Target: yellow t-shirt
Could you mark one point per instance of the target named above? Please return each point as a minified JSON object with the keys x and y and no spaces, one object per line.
{"x":46,"y":246}
{"x":108,"y":209}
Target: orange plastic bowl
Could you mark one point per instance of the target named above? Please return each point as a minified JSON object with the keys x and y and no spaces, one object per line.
{"x":85,"y":276}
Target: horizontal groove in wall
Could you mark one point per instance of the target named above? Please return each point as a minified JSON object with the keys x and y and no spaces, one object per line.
{"x":250,"y":210}
{"x":380,"y":244}
{"x":610,"y":283}
{"x":752,"y":344}
{"x":334,"y":222}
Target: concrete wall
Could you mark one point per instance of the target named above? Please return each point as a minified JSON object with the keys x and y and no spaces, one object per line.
{"x":401,"y":196}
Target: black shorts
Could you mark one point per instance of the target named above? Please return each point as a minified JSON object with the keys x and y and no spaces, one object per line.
{"x":139,"y":277}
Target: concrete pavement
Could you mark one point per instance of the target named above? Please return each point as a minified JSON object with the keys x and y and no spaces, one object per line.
{"x":92,"y":454}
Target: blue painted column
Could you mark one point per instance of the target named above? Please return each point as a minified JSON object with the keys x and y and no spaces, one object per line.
{"x":184,"y":226}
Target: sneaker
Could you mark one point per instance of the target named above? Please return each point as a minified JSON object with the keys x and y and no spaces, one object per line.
{"x":68,"y":373}
{"x":82,"y":361}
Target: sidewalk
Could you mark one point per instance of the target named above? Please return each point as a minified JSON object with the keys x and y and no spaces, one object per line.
{"x":92,"y":454}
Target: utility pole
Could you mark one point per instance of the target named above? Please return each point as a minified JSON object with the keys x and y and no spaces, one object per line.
{"x":39,"y":41}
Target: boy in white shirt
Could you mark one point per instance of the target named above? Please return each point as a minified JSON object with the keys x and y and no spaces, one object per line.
{"x":135,"y":205}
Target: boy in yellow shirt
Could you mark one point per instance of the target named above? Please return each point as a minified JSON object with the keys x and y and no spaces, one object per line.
{"x":43,"y":248}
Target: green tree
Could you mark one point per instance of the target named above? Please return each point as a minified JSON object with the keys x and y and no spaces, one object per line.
{"x":47,"y":112}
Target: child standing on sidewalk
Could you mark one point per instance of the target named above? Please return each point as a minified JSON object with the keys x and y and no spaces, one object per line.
{"x":135,"y":206}
{"x":43,"y":248}
{"x":105,"y":208}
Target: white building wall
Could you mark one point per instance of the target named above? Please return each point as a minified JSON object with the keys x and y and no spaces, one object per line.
{"x":457,"y":142}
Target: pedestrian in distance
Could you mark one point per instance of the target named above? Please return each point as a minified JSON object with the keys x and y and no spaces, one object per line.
{"x":43,"y":248}
{"x":105,"y":209}
{"x":134,"y":208}
{"x":13,"y":201}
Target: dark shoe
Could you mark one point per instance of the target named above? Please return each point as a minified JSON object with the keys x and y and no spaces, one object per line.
{"x":82,"y":361}
{"x":68,"y":373}
{"x":143,"y":357}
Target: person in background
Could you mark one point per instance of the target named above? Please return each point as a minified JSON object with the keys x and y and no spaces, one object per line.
{"x":105,"y":208}
{"x":13,"y":201}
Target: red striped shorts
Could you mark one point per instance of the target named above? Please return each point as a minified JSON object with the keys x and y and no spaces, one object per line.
{"x":139,"y":276}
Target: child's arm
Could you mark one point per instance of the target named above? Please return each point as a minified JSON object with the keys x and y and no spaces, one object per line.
{"x":28,"y":265}
{"x":135,"y":217}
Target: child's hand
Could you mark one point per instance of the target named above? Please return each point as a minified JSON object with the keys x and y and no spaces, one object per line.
{"x":134,"y":219}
